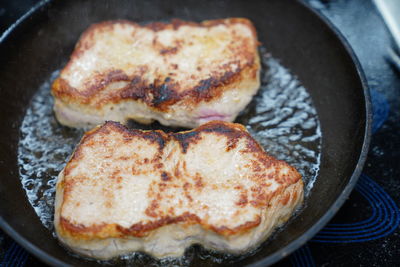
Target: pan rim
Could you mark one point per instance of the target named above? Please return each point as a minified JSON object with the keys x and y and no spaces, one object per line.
{"x":303,"y":238}
{"x":343,"y":196}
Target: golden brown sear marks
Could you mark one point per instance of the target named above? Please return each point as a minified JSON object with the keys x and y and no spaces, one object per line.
{"x":170,"y":68}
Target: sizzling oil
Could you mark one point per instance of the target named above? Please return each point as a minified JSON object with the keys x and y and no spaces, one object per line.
{"x":281,"y":117}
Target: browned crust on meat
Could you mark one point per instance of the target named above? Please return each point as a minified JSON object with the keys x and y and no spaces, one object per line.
{"x":143,"y":229}
{"x":162,"y":92}
{"x":259,"y":198}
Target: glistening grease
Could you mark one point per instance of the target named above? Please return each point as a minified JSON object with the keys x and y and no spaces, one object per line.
{"x":281,"y":117}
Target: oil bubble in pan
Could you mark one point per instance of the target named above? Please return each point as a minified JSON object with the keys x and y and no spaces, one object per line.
{"x":281,"y":117}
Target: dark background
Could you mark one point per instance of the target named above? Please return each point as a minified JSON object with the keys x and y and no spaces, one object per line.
{"x":365,"y":232}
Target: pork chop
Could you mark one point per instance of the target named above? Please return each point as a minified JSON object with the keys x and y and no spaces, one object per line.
{"x":130,"y":190}
{"x":179,"y":73}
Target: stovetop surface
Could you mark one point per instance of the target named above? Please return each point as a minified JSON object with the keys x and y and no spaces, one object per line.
{"x":365,"y":232}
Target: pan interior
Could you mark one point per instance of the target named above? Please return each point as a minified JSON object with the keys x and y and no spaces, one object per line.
{"x":281,"y":117}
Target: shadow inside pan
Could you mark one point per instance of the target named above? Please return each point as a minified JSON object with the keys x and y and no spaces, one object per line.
{"x":293,"y":34}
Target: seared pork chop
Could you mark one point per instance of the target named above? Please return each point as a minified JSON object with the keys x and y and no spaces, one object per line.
{"x":180,"y":74}
{"x":129,"y":190}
